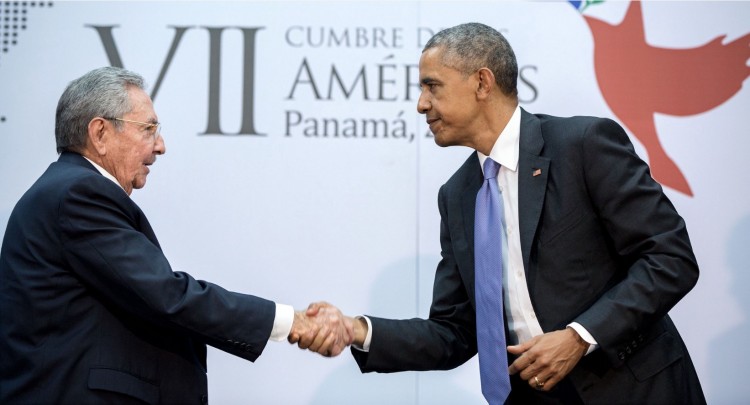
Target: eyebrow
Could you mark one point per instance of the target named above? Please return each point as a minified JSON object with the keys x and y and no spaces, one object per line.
{"x":426,"y":80}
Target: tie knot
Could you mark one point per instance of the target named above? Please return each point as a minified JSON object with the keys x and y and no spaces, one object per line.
{"x":491,"y":168}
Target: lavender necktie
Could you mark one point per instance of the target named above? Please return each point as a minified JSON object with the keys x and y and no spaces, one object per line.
{"x":488,"y":279}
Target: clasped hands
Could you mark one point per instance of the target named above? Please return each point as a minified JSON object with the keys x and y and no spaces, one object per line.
{"x":322,"y":328}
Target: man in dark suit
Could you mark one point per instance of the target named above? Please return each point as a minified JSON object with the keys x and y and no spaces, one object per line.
{"x":594,"y":255}
{"x":90,"y":309}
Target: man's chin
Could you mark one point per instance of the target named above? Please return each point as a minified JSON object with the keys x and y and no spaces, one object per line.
{"x":139,"y":183}
{"x":442,"y":141}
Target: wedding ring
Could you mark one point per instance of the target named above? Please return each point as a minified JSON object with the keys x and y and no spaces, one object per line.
{"x":539,"y":384}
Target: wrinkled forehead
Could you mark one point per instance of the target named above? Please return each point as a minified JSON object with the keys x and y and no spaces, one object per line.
{"x":141,"y":104}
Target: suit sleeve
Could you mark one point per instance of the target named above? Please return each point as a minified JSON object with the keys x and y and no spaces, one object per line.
{"x":645,"y":231}
{"x":444,"y":341}
{"x":105,"y":245}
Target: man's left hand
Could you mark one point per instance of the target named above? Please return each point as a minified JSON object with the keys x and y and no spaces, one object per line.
{"x":545,"y":360}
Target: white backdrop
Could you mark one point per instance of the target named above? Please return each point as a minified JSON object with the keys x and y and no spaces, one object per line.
{"x":291,"y":209}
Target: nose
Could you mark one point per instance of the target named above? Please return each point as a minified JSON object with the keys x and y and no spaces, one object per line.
{"x":423,"y":105}
{"x":160,"y":147}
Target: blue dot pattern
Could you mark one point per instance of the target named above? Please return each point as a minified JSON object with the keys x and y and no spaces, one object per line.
{"x":14,"y":18}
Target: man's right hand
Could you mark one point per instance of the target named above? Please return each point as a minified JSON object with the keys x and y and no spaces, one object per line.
{"x":322,"y":328}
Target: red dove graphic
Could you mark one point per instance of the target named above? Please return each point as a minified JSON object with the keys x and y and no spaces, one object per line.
{"x":638,"y":80}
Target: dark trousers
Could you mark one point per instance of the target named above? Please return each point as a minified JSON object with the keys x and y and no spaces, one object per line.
{"x":564,"y":393}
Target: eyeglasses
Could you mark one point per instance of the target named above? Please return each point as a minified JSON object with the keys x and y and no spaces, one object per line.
{"x":153,"y":128}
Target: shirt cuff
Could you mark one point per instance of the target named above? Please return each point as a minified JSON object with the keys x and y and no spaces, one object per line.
{"x":366,"y":344}
{"x":585,"y":335}
{"x":282,"y":322}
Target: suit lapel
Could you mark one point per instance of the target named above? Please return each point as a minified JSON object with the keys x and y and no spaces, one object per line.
{"x":533,"y":171}
{"x":133,"y":209}
{"x":474,"y":179}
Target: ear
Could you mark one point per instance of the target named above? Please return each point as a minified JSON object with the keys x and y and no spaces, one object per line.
{"x":98,"y":132}
{"x":486,"y":83}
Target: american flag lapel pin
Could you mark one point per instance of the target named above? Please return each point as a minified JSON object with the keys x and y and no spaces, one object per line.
{"x":536,"y":172}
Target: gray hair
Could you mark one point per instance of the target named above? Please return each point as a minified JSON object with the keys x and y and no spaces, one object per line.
{"x":102,"y":93}
{"x":469,"y":47}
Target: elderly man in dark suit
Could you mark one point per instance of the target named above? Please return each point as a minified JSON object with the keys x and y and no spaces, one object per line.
{"x":586,"y":253}
{"x":90,"y":309}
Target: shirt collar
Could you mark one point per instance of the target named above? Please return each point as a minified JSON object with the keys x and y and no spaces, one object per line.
{"x":505,"y":150}
{"x":104,"y":172}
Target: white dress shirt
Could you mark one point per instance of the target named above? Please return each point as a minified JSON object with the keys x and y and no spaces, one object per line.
{"x":282,"y":322}
{"x":522,"y":322}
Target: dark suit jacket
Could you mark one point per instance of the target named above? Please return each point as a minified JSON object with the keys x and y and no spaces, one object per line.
{"x":90,"y":310}
{"x":602,"y":246}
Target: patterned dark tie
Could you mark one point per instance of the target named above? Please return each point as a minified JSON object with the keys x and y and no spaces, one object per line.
{"x":488,"y":271}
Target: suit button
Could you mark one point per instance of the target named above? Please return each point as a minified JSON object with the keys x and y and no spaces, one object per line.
{"x":628,"y":350}
{"x":204,"y":399}
{"x":621,"y":355}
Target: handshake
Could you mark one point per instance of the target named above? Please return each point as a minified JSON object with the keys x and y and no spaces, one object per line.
{"x":324,"y":329}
